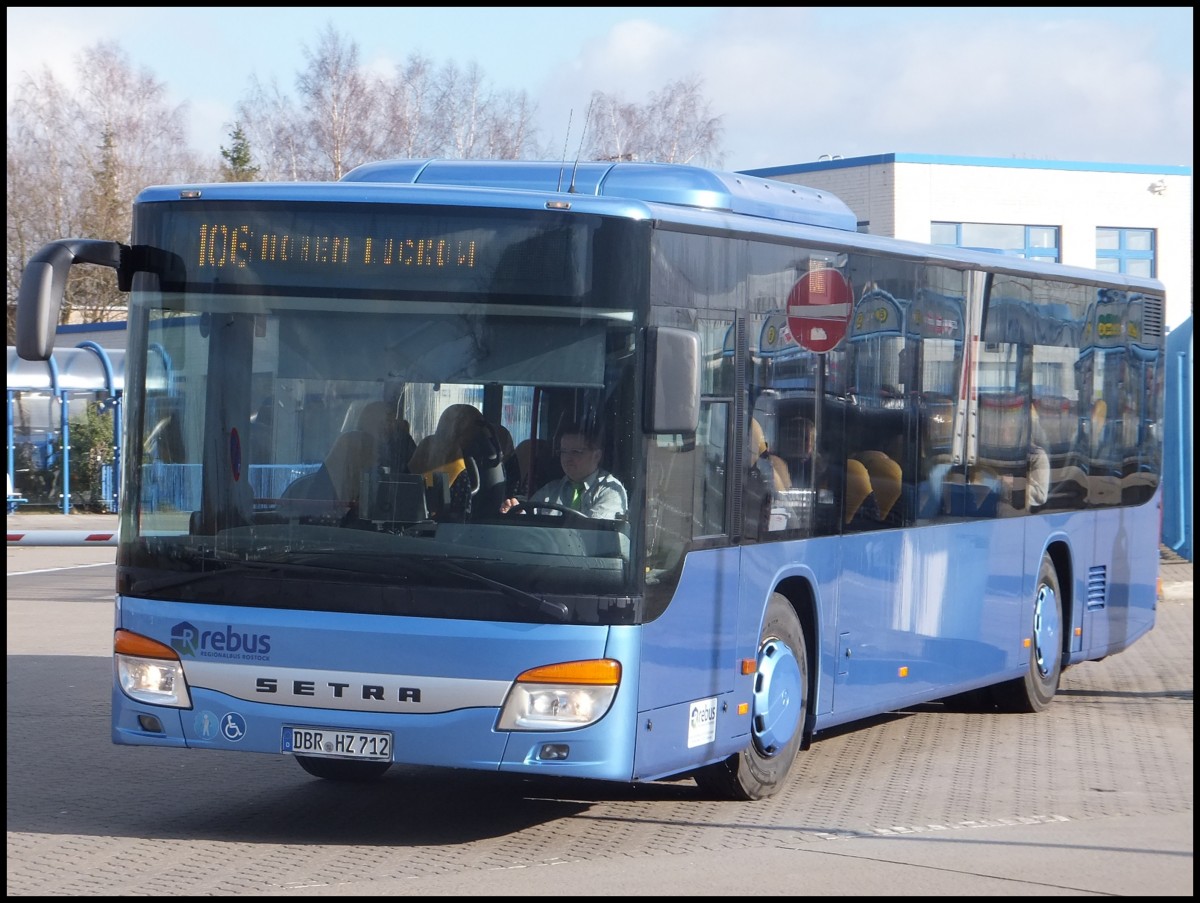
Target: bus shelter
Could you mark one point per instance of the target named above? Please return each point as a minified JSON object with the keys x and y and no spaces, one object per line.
{"x":44,"y":398}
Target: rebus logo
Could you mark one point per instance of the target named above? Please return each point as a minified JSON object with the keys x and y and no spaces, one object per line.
{"x":188,"y":639}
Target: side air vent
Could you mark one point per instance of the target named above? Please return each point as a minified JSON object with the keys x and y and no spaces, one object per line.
{"x":1152,"y":317}
{"x":1097,"y":586}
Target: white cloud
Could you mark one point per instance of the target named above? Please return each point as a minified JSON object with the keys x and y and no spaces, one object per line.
{"x":791,"y":85}
{"x":35,"y":44}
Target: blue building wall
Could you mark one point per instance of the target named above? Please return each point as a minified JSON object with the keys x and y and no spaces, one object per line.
{"x":1178,"y":443}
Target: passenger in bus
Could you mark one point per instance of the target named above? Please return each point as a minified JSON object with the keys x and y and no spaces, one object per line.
{"x":767,"y":479}
{"x":797,"y":445}
{"x":393,"y":436}
{"x":584,"y":487}
{"x":1037,"y":487}
{"x":773,"y":467}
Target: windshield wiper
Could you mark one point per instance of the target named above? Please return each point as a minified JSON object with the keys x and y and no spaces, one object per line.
{"x":547,"y":607}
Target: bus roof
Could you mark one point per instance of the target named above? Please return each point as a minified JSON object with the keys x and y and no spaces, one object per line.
{"x":660,"y":183}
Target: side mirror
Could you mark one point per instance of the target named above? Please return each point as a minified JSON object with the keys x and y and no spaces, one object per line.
{"x":43,"y":285}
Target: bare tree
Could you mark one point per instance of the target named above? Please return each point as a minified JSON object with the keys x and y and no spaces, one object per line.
{"x":77,"y":159}
{"x":337,"y":121}
{"x":352,"y":118}
{"x":673,"y":126}
{"x":482,"y":123}
{"x":415,"y":125}
{"x":614,"y":129}
{"x":342,"y":103}
{"x":271,"y":125}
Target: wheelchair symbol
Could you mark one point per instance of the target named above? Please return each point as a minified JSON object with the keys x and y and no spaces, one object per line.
{"x":233,"y":727}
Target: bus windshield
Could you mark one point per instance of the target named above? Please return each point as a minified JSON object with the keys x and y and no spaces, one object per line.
{"x":344,"y":412}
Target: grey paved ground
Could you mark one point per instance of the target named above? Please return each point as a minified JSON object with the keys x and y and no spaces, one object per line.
{"x":923,"y":803}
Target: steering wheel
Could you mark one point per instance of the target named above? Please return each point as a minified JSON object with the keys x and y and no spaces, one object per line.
{"x":521,"y":507}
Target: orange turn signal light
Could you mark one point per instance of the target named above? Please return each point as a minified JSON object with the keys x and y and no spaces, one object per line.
{"x":126,"y":642}
{"x":601,"y":672}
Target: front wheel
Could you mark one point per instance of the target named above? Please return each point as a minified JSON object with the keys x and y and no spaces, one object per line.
{"x":779,"y":714}
{"x":343,"y":770}
{"x":1035,"y":691}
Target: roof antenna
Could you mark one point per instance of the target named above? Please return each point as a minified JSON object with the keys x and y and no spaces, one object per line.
{"x":586,"y":119}
{"x":566,"y":141}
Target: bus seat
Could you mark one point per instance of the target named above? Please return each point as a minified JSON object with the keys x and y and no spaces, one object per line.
{"x":437,"y":475}
{"x":858,"y":487}
{"x":779,"y":470}
{"x":781,"y":476}
{"x":315,"y":485}
{"x":338,"y":479}
{"x":932,"y":494}
{"x":983,"y":491}
{"x":886,"y":479}
{"x":504,"y":437}
{"x":463,"y":441}
{"x":536,"y":465}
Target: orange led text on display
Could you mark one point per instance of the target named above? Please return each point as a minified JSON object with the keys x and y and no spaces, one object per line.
{"x":222,"y":246}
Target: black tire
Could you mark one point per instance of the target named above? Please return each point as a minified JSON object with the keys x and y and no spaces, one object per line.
{"x":1035,"y":691}
{"x":343,"y":770}
{"x":779,"y":715}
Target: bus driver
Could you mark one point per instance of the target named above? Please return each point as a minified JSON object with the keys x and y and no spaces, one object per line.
{"x":584,"y":486}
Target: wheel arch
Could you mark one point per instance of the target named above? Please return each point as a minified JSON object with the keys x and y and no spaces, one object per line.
{"x":801,"y":596}
{"x":1060,"y":557}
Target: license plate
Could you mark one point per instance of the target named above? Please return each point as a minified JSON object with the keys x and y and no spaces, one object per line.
{"x":337,"y":744}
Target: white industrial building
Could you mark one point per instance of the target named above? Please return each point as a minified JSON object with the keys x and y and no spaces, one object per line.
{"x":1121,"y":217}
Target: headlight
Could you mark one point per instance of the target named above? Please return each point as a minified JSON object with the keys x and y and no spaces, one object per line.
{"x":560,"y":697}
{"x":149,"y":671}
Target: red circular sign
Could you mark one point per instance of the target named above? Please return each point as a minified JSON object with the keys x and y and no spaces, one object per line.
{"x":818,"y":309}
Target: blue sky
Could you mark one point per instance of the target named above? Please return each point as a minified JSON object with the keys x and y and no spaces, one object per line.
{"x":790,"y":84}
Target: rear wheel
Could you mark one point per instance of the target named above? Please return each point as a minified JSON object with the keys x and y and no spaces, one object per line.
{"x":342,"y":769}
{"x":1035,"y":691}
{"x":779,"y":715}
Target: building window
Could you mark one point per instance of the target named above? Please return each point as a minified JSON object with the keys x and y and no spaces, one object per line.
{"x":1030,"y":242}
{"x":1129,"y":251}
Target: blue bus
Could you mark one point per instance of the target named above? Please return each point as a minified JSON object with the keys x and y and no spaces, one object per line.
{"x":826,"y":440}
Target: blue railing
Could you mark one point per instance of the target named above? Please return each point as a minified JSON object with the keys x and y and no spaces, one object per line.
{"x":177,"y":487}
